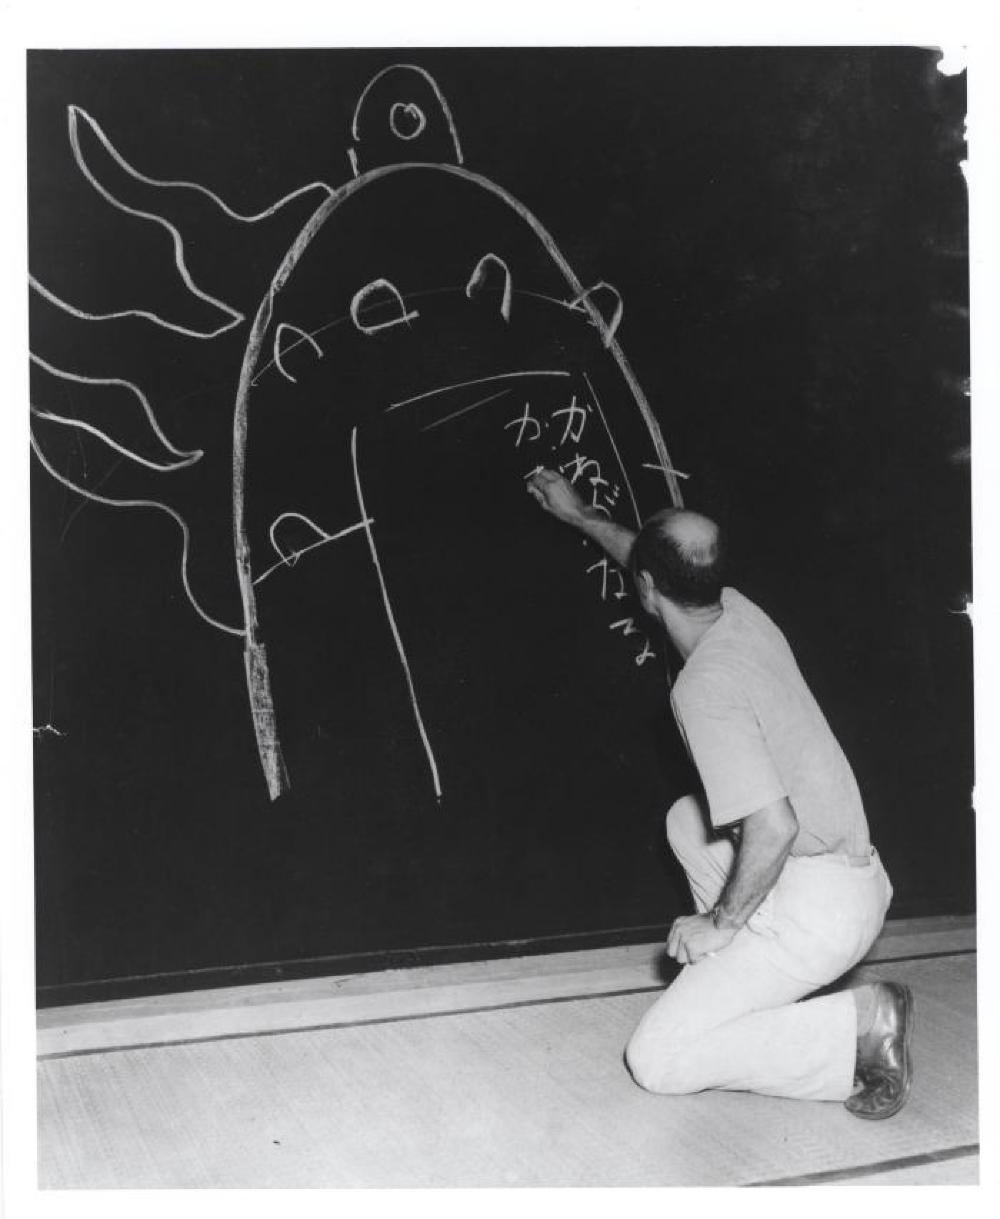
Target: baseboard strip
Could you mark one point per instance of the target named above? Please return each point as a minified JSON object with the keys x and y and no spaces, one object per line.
{"x":314,"y":1003}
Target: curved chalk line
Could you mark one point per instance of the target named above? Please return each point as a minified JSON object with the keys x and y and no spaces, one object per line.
{"x":190,"y":455}
{"x":582,"y":297}
{"x":294,"y":516}
{"x":265,"y":312}
{"x":501,"y":393}
{"x":346,"y":317}
{"x":607,"y":329}
{"x":178,"y":241}
{"x":252,"y":218}
{"x":143,"y":503}
{"x":361,"y":297}
{"x":411,"y":109}
{"x":290,"y":559}
{"x":409,"y":67}
{"x":83,"y":426}
{"x":263,"y":367}
{"x":303,"y":338}
{"x":344,"y":192}
{"x":145,"y":314}
{"x":500,"y":376}
{"x":411,"y":295}
{"x":478,"y":279}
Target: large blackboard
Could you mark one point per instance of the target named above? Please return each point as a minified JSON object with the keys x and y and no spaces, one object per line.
{"x":317,"y":687}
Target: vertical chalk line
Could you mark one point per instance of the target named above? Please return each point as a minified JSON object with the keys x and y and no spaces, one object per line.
{"x":618,"y":456}
{"x":389,"y":614}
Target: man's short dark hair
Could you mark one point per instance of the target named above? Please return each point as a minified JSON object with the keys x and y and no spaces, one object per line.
{"x":689,"y":574}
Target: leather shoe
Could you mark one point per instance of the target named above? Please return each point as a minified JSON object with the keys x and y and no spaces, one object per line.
{"x":884,"y":1068}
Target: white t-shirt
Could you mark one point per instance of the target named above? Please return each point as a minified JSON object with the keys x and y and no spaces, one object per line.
{"x":756,"y":733}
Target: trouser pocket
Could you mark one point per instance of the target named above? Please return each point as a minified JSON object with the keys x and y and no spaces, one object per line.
{"x":822,"y":917}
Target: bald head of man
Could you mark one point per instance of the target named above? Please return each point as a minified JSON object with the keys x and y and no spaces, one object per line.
{"x":683,"y":554}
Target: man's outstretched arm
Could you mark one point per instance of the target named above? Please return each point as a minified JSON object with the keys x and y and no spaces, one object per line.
{"x":557,"y":497}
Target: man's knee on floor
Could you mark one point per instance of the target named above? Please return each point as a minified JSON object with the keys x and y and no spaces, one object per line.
{"x":660,"y":1066}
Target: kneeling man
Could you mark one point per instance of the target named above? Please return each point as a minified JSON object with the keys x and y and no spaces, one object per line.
{"x":789,"y":892}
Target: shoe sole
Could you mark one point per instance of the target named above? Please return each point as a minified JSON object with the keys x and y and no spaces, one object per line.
{"x":904,"y":1094}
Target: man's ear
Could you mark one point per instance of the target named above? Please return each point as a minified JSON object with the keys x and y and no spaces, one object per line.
{"x":646,"y":588}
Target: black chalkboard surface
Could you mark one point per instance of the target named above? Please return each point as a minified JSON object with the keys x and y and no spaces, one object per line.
{"x":317,"y":685}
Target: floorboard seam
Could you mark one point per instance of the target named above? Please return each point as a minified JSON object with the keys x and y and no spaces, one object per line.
{"x":352,"y":1024}
{"x":830,"y":1175}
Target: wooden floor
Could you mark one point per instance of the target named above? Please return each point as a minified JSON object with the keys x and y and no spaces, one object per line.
{"x":492,"y":1074}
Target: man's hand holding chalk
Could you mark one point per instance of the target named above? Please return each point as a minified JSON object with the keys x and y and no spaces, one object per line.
{"x":557,"y":496}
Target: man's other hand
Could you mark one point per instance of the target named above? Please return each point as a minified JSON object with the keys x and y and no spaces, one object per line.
{"x":556,"y":496}
{"x":696,"y":936}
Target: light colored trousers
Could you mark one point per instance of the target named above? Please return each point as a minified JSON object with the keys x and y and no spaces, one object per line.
{"x":732,"y":1020}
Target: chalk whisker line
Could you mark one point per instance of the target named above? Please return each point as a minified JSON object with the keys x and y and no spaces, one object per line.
{"x":366,"y":522}
{"x":465,"y":410}
{"x":82,"y":503}
{"x":651,"y":465}
{"x":293,"y":557}
{"x":503,"y":376}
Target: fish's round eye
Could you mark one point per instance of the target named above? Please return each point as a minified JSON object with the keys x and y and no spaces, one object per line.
{"x":406,"y":120}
